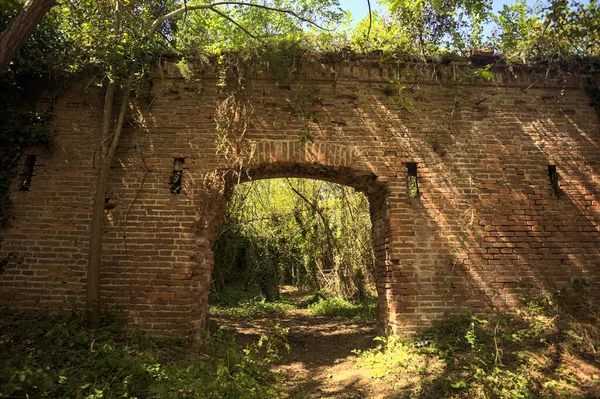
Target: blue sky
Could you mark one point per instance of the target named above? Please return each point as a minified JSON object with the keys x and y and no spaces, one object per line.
{"x":360,"y":9}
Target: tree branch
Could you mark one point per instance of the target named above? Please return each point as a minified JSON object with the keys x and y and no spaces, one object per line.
{"x":370,"y":19}
{"x":227,"y":17}
{"x":324,"y":220}
{"x":21,"y":27}
{"x":97,"y":224}
{"x":212,"y":6}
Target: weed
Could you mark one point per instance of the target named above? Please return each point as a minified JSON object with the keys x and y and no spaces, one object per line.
{"x":340,"y":307}
{"x":57,"y":357}
{"x":537,"y":352}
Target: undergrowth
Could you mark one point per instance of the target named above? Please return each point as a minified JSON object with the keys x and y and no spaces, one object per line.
{"x":546,"y":350}
{"x":237,"y":303}
{"x":55,"y":356}
{"x":250,"y":309}
{"x":365,"y":311}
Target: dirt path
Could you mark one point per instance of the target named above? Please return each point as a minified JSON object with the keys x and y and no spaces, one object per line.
{"x":321,"y":362}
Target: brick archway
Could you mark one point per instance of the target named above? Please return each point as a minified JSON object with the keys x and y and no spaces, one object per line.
{"x":488,"y":220}
{"x":340,"y":173}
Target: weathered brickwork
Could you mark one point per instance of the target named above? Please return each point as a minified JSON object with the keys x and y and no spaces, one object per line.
{"x":486,"y":223}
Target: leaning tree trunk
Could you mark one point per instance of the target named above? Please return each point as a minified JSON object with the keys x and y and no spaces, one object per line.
{"x":21,"y":27}
{"x":97,"y":226}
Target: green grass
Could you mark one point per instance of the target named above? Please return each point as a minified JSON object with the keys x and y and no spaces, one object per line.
{"x":55,"y":356}
{"x":340,"y":307}
{"x":546,"y":350}
{"x":251,"y":309}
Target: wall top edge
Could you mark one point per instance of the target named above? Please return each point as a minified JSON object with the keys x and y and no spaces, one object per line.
{"x":459,"y":71}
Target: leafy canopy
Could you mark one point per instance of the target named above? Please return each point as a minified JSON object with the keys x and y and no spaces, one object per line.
{"x":111,"y":34}
{"x":556,"y":30}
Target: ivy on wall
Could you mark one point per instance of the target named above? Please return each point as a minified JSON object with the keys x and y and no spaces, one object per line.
{"x":20,"y":125}
{"x":19,"y":129}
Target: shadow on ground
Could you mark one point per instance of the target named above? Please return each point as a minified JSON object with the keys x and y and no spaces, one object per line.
{"x":548,"y":350}
{"x":321,"y":359}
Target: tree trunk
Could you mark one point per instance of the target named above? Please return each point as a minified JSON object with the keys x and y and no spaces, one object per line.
{"x":97,"y":227}
{"x":21,"y":27}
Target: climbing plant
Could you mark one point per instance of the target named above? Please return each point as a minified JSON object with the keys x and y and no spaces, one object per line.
{"x":21,"y":127}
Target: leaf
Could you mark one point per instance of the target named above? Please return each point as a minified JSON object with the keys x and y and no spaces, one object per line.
{"x":307,"y":138}
{"x":459,"y":384}
{"x":485,"y":74}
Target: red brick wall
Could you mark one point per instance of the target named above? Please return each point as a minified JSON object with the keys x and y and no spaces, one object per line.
{"x":485,"y":225}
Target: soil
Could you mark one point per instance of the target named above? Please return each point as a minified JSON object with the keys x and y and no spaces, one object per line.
{"x":321,"y":362}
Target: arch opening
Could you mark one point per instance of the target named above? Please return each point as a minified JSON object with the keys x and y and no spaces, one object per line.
{"x":310,"y":234}
{"x":307,"y":244}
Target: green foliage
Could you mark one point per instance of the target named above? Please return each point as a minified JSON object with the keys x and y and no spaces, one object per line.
{"x":571,"y":28}
{"x":559,"y":33}
{"x":516,"y":33}
{"x":20,"y":127}
{"x":205,"y":32}
{"x":41,"y":59}
{"x":18,"y":130}
{"x":485,"y":73}
{"x":563,"y":33}
{"x":307,"y":233}
{"x":366,"y":311}
{"x":250,"y":309}
{"x":385,"y":34}
{"x":534,"y":353}
{"x":80,"y":34}
{"x":55,"y":356}
{"x":391,"y":354}
{"x":413,"y":188}
{"x":440,"y":26}
{"x":226,"y":371}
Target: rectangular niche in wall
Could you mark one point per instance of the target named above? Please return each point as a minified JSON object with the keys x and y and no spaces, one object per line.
{"x":27,"y":174}
{"x":553,"y":174}
{"x":412,"y":182}
{"x":177,"y":175}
